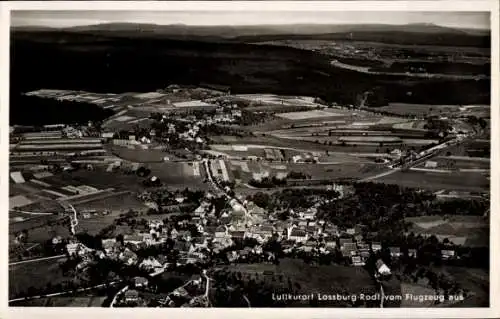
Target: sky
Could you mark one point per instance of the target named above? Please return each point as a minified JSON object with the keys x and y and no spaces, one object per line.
{"x":60,"y":19}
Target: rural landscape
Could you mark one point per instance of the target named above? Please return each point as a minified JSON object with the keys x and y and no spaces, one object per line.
{"x":277,"y":165}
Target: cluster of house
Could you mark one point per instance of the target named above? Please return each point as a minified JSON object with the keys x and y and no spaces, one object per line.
{"x":190,"y":294}
{"x":303,"y":233}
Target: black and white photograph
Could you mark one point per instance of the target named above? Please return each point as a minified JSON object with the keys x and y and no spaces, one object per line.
{"x":274,"y":158}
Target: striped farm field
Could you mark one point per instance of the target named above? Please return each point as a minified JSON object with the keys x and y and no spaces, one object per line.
{"x":308,"y":115}
{"x":387,"y":139}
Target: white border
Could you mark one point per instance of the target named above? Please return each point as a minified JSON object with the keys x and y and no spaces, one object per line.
{"x":439,"y":5}
{"x":445,"y":5}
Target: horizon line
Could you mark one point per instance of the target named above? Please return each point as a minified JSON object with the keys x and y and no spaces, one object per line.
{"x":254,"y":25}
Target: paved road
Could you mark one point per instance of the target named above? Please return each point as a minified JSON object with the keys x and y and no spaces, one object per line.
{"x":216,"y":186}
{"x":118,"y":294}
{"x":389,"y":172}
{"x":35,"y":260}
{"x":74,"y":218}
{"x":432,"y":152}
{"x":29,"y":213}
{"x":62,"y":292}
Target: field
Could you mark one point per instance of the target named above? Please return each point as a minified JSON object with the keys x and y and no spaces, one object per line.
{"x":179,"y":175}
{"x":477,"y":148}
{"x":308,"y":115}
{"x":121,"y":202}
{"x":101,"y":179}
{"x":44,"y":233}
{"x":416,"y":290}
{"x":34,"y":274}
{"x":244,"y":170}
{"x":476,"y":281}
{"x":316,"y":278}
{"x":437,"y":181}
{"x":139,"y":155}
{"x":461,"y":163}
{"x":419,"y":109}
{"x":299,"y":145}
{"x":471,"y":231}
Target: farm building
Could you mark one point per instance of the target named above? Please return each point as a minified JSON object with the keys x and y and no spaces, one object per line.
{"x":131,"y":295}
{"x":376,"y":246}
{"x":17,"y":177}
{"x":447,"y":254}
{"x":431,"y":164}
{"x":382,"y":268}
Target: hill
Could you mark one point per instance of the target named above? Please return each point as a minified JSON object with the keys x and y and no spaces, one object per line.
{"x":110,"y":63}
{"x":429,"y":34}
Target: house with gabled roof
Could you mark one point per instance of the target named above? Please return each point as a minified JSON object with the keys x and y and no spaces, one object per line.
{"x":395,"y":252}
{"x":330,"y":242}
{"x":155,"y":223}
{"x":376,"y":246}
{"x":199,"y":242}
{"x":331,"y":230}
{"x":140,"y":282}
{"x":343,"y":241}
{"x":447,"y":254}
{"x":210,"y":230}
{"x":298,"y":235}
{"x":312,"y":230}
{"x":221,"y":231}
{"x":131,"y":295}
{"x":185,"y":235}
{"x":108,"y":244}
{"x":150,"y":264}
{"x":349,"y":249}
{"x":350,"y":231}
{"x":363,"y":246}
{"x":183,"y":246}
{"x":174,"y":233}
{"x":357,"y":261}
{"x":129,"y":257}
{"x":364,"y":253}
{"x":302,"y":224}
{"x":382,"y":268}
{"x":237,"y":235}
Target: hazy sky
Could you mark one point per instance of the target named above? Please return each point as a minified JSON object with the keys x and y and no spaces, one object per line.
{"x":73,"y":18}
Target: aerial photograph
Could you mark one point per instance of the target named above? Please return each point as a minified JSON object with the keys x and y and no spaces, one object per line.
{"x":249,"y":159}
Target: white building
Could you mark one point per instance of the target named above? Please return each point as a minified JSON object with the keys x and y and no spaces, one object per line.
{"x":382,"y":268}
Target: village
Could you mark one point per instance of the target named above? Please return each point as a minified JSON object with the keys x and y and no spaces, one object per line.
{"x":159,"y":191}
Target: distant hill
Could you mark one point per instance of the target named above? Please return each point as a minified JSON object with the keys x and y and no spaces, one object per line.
{"x":107,"y":62}
{"x":404,"y":34}
{"x":236,"y":31}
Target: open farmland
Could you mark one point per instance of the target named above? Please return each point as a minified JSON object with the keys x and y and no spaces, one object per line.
{"x":438,"y":181}
{"x":479,"y":148}
{"x":120,"y":202}
{"x":45,"y":233}
{"x":325,"y":279}
{"x":418,"y":109}
{"x":245,"y":171}
{"x":34,"y":223}
{"x":101,"y":179}
{"x":138,"y":155}
{"x":179,"y":175}
{"x":35,"y":274}
{"x":461,"y":163}
{"x":416,"y":290}
{"x":469,"y":231}
{"x":476,"y":281}
{"x":308,"y":115}
{"x":295,"y":144}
